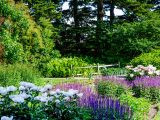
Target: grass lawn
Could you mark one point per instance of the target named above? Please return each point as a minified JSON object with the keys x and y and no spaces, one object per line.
{"x":55,"y":81}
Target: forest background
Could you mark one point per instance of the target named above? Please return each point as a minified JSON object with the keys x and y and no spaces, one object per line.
{"x":42,"y":33}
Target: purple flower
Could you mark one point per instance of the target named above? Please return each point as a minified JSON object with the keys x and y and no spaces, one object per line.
{"x":97,"y":103}
{"x":147,"y":82}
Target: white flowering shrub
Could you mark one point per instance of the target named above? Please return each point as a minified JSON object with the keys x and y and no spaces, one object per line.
{"x":30,"y":102}
{"x":141,"y":70}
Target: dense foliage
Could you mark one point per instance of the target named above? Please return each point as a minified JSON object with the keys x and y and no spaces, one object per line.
{"x":22,"y":39}
{"x":76,"y":31}
{"x":113,"y":71}
{"x":67,"y":67}
{"x":111,"y":86}
{"x":13,"y":74}
{"x":145,"y":59}
{"x":140,"y":106}
{"x":137,"y":28}
{"x":34,"y":31}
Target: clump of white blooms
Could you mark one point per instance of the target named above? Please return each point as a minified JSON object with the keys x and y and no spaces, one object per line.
{"x":3,"y":91}
{"x":46,"y":88}
{"x":6,"y":118}
{"x":29,"y":92}
{"x":141,"y":70}
{"x":17,"y":98}
{"x":6,"y":90}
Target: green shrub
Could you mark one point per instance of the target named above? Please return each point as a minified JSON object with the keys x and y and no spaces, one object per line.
{"x":13,"y":74}
{"x":139,"y":106}
{"x":145,"y":59}
{"x":111,"y":88}
{"x":152,"y":94}
{"x":64,"y":67}
{"x":113,"y":71}
{"x":23,"y":39}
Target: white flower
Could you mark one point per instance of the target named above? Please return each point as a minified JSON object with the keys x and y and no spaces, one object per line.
{"x":74,"y":91}
{"x":44,"y":99}
{"x":57,"y":96}
{"x":42,"y":90}
{"x":35,"y":88}
{"x":46,"y":88}
{"x":80,"y":95}
{"x":136,"y":69}
{"x":27,"y":84}
{"x":24,"y":95}
{"x":1,"y":101}
{"x":21,"y":88}
{"x":150,"y":72}
{"x":50,"y":98}
{"x":128,"y":67}
{"x":17,"y":98}
{"x":140,"y":66}
{"x":57,"y":101}
{"x":41,"y":98}
{"x":52,"y":92}
{"x":67,"y":94}
{"x":37,"y":98}
{"x":157,"y":72}
{"x":64,"y":93}
{"x":3,"y":91}
{"x":151,"y":68}
{"x":71,"y":92}
{"x":1,"y":88}
{"x":141,"y":73}
{"x":11,"y":88}
{"x":131,"y":75}
{"x":45,"y":94}
{"x":6,"y":118}
{"x":58,"y":91}
{"x":66,"y":98}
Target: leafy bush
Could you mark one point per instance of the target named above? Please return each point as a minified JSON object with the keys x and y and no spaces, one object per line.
{"x":139,"y":106}
{"x":13,"y":74}
{"x":138,"y":37}
{"x":111,"y":87}
{"x":147,"y":87}
{"x":113,"y":71}
{"x":23,"y":39}
{"x":64,"y":67}
{"x":34,"y":102}
{"x":146,"y":59}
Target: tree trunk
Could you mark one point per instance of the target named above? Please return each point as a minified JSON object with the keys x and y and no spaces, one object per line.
{"x":76,"y":23}
{"x":111,"y":12}
{"x":100,"y":10}
{"x":100,"y":15}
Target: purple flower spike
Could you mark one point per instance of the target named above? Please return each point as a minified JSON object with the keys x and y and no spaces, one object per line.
{"x":101,"y":106}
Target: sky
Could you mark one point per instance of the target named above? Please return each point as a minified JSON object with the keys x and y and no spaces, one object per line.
{"x":117,"y":12}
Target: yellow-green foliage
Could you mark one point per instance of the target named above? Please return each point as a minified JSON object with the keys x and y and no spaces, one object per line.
{"x":23,"y":39}
{"x":145,"y":59}
{"x":140,"y":106}
{"x":65,"y":67}
{"x":14,"y":74}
